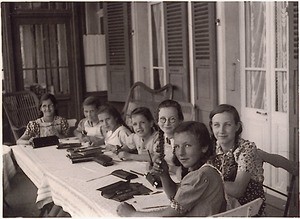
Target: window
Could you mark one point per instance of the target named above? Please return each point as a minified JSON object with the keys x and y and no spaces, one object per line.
{"x":94,"y":48}
{"x":44,"y":58}
{"x":157,"y":45}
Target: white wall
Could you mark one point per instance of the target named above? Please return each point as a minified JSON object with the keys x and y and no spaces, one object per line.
{"x":228,"y":53}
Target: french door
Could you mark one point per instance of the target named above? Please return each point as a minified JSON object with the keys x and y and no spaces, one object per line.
{"x":264,"y":81}
{"x":43,"y":57}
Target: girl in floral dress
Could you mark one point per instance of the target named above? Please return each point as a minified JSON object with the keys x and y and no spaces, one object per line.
{"x":48,"y":124}
{"x":236,"y":158}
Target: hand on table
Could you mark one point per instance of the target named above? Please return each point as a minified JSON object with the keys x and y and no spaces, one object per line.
{"x":125,"y":209}
{"x":123,"y":155}
{"x":113,"y":148}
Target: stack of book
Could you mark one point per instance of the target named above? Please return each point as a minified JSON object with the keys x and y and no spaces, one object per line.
{"x":83,"y":154}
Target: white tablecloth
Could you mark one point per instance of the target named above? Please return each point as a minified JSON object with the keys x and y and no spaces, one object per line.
{"x":58,"y":180}
{"x":9,"y":169}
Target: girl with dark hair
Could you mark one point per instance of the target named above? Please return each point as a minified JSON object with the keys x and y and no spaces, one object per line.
{"x":144,"y":136}
{"x":48,"y":124}
{"x":236,"y":158}
{"x":201,"y":192}
{"x":169,"y":115}
{"x":115,"y":129}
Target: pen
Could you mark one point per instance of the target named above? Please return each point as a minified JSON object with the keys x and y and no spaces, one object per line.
{"x":151,"y":161}
{"x":137,"y":173}
{"x":159,"y":206}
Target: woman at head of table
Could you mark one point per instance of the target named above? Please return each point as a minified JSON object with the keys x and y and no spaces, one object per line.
{"x":48,"y":124}
{"x":236,"y":158}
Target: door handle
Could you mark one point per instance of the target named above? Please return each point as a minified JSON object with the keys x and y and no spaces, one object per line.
{"x":262,"y":113}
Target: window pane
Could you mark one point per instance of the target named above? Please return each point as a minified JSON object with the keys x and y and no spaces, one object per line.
{"x":255,"y":20}
{"x":281,"y":33}
{"x":281,"y":91}
{"x":256,"y":89}
{"x":44,"y":57}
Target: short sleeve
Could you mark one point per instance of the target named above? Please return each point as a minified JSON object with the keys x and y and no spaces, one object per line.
{"x":80,"y":126}
{"x":123,"y":134}
{"x":129,"y":141}
{"x":191,"y":189}
{"x":246,"y":156}
{"x":32,"y":129}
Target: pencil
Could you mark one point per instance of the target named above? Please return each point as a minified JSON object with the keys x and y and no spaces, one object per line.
{"x":137,"y":173}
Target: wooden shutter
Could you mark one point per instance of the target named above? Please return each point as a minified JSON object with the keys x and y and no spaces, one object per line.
{"x":176,"y":48}
{"x":205,"y":59}
{"x":117,"y":31}
{"x":294,"y":97}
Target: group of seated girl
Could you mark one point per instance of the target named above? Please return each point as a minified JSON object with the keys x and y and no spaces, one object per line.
{"x":213,"y":169}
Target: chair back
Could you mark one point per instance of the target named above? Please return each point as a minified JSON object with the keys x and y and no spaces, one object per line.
{"x":20,"y":108}
{"x":250,"y":209}
{"x":279,"y":161}
{"x":140,"y":95}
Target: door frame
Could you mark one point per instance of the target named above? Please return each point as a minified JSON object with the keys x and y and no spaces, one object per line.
{"x":10,"y":19}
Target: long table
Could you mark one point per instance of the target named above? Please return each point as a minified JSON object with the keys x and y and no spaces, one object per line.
{"x":73,"y":186}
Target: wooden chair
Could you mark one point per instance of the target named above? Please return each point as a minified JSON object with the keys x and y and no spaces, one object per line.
{"x":247,"y":210}
{"x":279,"y":161}
{"x":20,"y":108}
{"x":142,"y":95}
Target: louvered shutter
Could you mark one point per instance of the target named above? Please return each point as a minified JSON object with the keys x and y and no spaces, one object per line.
{"x":294,"y":97}
{"x":205,"y":60}
{"x":117,"y":31}
{"x":176,"y":48}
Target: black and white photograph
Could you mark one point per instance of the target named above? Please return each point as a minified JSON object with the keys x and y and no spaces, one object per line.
{"x":150,"y":109}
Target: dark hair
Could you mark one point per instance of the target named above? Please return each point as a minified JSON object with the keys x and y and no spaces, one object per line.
{"x":146,"y":113}
{"x":230,"y":109}
{"x":92,"y":101}
{"x":111,"y":110}
{"x":48,"y":96}
{"x":200,"y":131}
{"x":170,"y":103}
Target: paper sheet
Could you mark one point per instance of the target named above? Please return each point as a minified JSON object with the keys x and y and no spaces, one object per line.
{"x":150,"y":202}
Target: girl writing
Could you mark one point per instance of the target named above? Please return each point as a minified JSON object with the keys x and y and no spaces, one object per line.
{"x":89,"y":129}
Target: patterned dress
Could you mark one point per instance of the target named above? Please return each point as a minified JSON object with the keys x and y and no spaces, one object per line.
{"x":244,"y":158}
{"x":40,"y":128}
